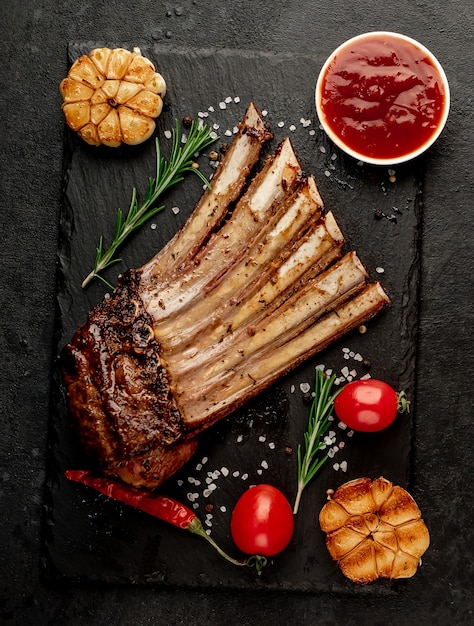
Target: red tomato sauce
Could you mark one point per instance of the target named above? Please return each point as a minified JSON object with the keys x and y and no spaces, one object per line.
{"x":383,"y":97}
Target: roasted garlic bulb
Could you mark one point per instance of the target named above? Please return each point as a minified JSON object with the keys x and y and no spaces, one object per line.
{"x":374,"y":530}
{"x":113,"y":97}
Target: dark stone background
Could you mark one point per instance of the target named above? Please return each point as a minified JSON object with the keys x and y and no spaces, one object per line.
{"x":33,"y":49}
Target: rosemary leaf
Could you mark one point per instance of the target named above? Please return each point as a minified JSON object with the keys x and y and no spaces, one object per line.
{"x":168,"y":173}
{"x":309,"y":463}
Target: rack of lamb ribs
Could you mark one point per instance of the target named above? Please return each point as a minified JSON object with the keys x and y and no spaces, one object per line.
{"x":253,"y":284}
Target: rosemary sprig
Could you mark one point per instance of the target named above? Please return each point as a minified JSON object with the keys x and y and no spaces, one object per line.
{"x":318,"y":424}
{"x":168,"y":173}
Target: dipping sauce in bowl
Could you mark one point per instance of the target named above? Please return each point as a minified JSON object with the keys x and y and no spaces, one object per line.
{"x":382,"y":97}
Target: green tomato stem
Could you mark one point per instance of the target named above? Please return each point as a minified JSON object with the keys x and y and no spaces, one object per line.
{"x":256,"y":561}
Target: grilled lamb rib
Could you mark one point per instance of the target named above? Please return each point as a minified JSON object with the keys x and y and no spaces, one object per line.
{"x":230,"y":304}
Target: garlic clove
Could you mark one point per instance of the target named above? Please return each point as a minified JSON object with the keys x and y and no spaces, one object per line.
{"x":360,"y":564}
{"x":73,"y":91}
{"x":381,"y":490}
{"x":99,"y":112}
{"x":386,"y":538}
{"x":126,"y":91}
{"x":100,"y":58}
{"x":136,"y":127}
{"x":85,"y":72}
{"x":90,"y":135}
{"x":110,"y":88}
{"x":157,"y":85}
{"x":341,"y":541}
{"x":77,"y":114}
{"x":404,"y":565}
{"x":140,"y":70}
{"x":399,"y":507}
{"x":109,"y":130}
{"x":99,"y":97}
{"x":332,"y":516}
{"x":147,"y":103}
{"x":119,"y":60}
{"x":356,"y":496}
{"x":413,"y":538}
{"x":384,"y":558}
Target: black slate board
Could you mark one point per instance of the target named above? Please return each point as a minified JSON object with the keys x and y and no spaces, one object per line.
{"x":90,"y":539}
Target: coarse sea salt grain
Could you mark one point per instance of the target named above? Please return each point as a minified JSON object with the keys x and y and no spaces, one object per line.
{"x":222,"y":105}
{"x":292,"y":128}
{"x":225,"y":471}
{"x":168,"y":134}
{"x":281,"y":124}
{"x":379,"y":270}
{"x":153,"y":226}
{"x":237,"y":99}
{"x":175,"y":209}
{"x":271,"y":445}
{"x":223,"y":508}
{"x":228,"y":133}
{"x":262,"y":438}
{"x":305,"y":387}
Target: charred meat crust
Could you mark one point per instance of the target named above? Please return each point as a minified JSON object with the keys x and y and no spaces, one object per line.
{"x":118,"y":390}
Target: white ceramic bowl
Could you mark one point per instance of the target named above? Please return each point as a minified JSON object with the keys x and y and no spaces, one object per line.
{"x":335,"y":134}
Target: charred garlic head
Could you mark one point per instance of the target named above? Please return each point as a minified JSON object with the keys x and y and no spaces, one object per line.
{"x":374,"y":530}
{"x":112,"y":96}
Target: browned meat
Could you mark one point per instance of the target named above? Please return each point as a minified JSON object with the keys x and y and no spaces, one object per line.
{"x":227,"y":307}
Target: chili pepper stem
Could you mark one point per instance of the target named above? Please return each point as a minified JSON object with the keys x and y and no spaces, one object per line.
{"x":256,"y":561}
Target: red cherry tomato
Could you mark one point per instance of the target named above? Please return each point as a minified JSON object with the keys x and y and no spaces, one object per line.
{"x":262,"y":521}
{"x":367,"y":405}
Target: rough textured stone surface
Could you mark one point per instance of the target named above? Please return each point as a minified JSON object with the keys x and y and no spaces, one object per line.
{"x":34,"y":51}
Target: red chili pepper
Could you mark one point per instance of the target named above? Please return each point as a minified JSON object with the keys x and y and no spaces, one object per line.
{"x":162,"y":507}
